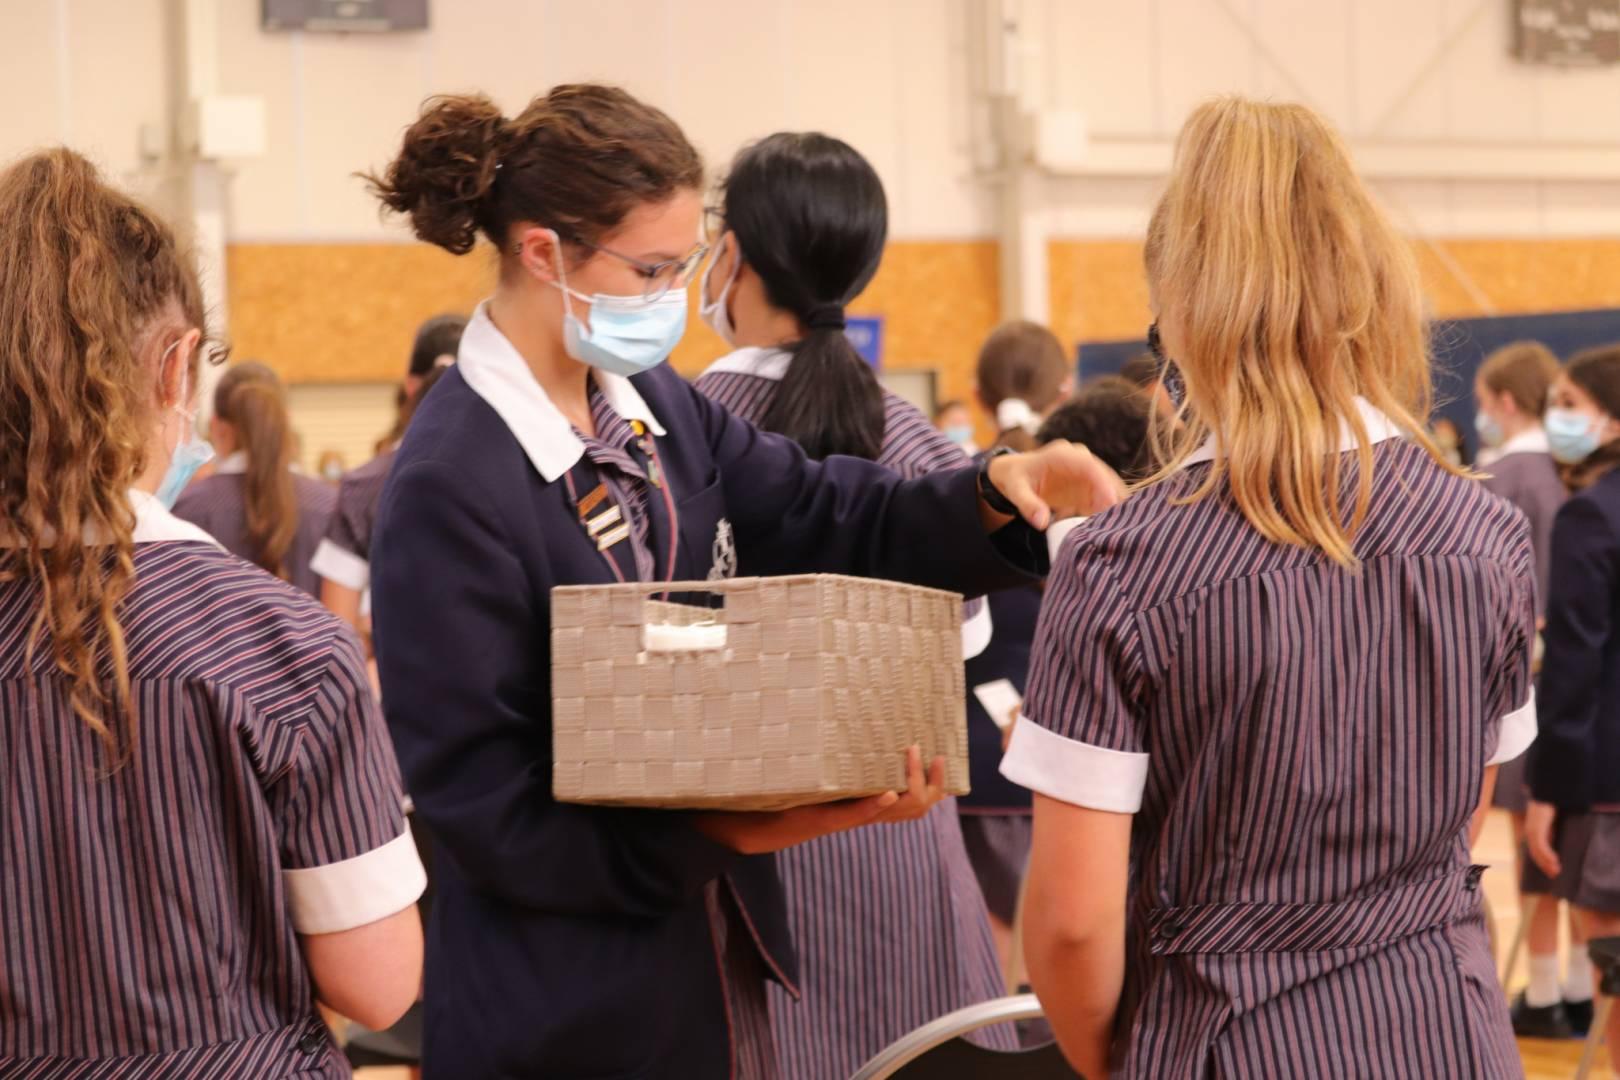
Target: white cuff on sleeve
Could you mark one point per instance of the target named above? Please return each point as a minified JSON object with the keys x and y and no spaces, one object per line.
{"x":1059,"y":531}
{"x":1518,"y":731}
{"x":1074,"y":772}
{"x":977,"y":630}
{"x":357,"y":891}
{"x":340,"y":566}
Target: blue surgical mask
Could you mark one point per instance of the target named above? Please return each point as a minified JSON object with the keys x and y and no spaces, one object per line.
{"x":715,"y":312}
{"x":192,"y":451}
{"x":628,"y":334}
{"x":1490,"y":432}
{"x":960,"y":434}
{"x":1572,"y":436}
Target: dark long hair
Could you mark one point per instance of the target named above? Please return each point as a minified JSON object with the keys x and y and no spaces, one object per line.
{"x":1597,"y":371}
{"x":810,"y":219}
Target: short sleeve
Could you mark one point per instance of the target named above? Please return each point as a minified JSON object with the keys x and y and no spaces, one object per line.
{"x":1079,"y":740}
{"x":347,"y":857}
{"x":1510,"y":696}
{"x":341,"y":556}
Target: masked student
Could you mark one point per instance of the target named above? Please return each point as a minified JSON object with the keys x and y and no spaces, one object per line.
{"x":201,"y":834}
{"x":1572,"y":824}
{"x":798,"y":234}
{"x":560,"y":449}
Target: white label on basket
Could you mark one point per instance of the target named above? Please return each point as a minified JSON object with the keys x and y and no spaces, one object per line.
{"x":664,"y":638}
{"x":1001,"y":700}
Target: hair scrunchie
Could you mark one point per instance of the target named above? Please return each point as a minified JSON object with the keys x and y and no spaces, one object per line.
{"x":826,"y":317}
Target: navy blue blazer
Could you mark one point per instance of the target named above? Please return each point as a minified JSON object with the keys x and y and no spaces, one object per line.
{"x":573,"y":941}
{"x":1575,"y":760}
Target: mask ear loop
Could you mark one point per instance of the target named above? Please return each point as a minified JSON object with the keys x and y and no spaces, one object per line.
{"x":179,"y":404}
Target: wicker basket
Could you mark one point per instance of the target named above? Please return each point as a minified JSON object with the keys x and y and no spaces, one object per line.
{"x":798,"y":690}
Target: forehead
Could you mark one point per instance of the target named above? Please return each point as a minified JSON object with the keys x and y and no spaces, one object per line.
{"x":668,"y":227}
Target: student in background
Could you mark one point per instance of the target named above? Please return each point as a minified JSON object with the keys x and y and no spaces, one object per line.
{"x":1109,"y":417}
{"x":254,"y":504}
{"x":955,"y":421}
{"x":799,"y":234}
{"x":561,"y":449}
{"x":200,"y":833}
{"x":1023,"y":374}
{"x":435,"y":347}
{"x":1270,"y":689}
{"x":1511,"y":392}
{"x":1147,"y":374}
{"x":1573,"y":822}
{"x":342,"y":559}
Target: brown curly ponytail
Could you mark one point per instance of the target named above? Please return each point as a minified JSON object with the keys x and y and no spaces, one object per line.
{"x":578,"y":159}
{"x":87,"y":276}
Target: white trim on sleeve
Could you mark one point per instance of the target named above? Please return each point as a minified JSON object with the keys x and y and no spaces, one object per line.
{"x":1517,"y":733}
{"x":977,"y":630}
{"x":357,"y":891}
{"x":1074,"y":772}
{"x":340,"y":566}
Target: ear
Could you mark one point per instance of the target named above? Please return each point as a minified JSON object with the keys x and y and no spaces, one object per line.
{"x":539,"y":250}
{"x":1066,"y":389}
{"x":174,"y":383}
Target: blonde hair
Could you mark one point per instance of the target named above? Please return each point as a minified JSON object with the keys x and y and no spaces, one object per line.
{"x":1290,"y":296}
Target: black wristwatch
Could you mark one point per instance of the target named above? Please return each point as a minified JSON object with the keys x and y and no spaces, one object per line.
{"x":992,"y":496}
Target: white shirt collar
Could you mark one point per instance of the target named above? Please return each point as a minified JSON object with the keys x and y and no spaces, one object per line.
{"x":232,"y":464}
{"x":1529,"y":441}
{"x":1380,"y":428}
{"x":498,"y":374}
{"x":766,"y":363}
{"x":153,"y":524}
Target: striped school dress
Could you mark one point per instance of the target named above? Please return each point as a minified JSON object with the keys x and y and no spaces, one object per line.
{"x":889,"y":921}
{"x":215,"y":504}
{"x":1302,"y":747}
{"x":343,"y":554}
{"x":150,"y":919}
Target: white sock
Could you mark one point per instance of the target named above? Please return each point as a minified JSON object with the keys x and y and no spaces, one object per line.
{"x":1579,"y":978}
{"x":1543,"y":989}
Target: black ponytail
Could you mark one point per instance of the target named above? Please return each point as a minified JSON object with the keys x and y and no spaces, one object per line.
{"x":810,"y":218}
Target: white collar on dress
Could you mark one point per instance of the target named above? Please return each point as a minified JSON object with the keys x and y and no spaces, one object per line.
{"x":498,"y":374}
{"x":1529,"y":441}
{"x":766,"y":363}
{"x":232,"y":464}
{"x":1380,"y":428}
{"x":153,"y":524}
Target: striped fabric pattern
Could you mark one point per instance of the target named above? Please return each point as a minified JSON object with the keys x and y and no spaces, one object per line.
{"x":216,"y":505}
{"x":145,"y":926}
{"x":354,"y":513}
{"x":1302,"y":902}
{"x":625,"y":478}
{"x":890,"y":925}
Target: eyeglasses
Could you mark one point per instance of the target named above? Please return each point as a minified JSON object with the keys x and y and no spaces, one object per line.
{"x":659,"y":277}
